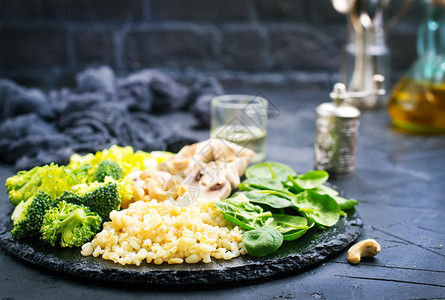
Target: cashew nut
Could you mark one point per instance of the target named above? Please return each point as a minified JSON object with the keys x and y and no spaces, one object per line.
{"x":366,"y":248}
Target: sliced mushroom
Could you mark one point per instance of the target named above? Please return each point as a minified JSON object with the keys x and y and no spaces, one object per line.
{"x":216,"y":190}
{"x":240,"y":164}
{"x":214,"y":183}
{"x":232,"y":175}
{"x":205,"y":152}
{"x":187,"y":151}
{"x":214,"y":166}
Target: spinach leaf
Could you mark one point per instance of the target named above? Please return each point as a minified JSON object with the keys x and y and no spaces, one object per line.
{"x":281,"y":193}
{"x":242,"y":213}
{"x":262,"y":241}
{"x":270,"y":169}
{"x":324,"y":189}
{"x":260,"y":183}
{"x":310,"y":180}
{"x":291,"y":227}
{"x":322,"y":209}
{"x":268,"y":198}
{"x":274,"y":187}
{"x":345,"y":204}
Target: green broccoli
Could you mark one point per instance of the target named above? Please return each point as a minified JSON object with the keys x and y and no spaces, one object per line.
{"x":70,"y":197}
{"x":101,"y":198}
{"x":28,"y":216}
{"x":107,"y":168}
{"x":52,"y":179}
{"x":73,"y":225}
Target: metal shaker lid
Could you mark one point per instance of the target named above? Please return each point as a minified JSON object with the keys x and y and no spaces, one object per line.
{"x":338,"y":108}
{"x":330,"y":109}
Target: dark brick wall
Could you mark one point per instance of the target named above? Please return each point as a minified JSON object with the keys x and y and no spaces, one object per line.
{"x":45,"y":42}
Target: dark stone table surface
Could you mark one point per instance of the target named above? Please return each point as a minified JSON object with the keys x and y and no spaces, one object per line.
{"x":399,"y":181}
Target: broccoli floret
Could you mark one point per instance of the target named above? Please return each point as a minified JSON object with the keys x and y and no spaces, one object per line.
{"x":73,"y":225}
{"x":100,"y":197}
{"x":103,"y":200}
{"x":107,"y":168}
{"x":28,"y":216}
{"x":70,"y":197}
{"x":52,"y":179}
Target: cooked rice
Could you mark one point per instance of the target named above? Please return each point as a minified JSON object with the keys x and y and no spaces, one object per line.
{"x":161,"y":232}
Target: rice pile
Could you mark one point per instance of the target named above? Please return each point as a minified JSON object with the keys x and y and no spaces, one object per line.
{"x":161,"y":232}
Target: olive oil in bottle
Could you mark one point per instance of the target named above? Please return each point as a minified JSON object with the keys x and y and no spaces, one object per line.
{"x":417,"y":103}
{"x":418,"y":106}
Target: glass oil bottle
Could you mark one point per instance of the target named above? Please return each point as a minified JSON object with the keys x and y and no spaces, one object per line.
{"x":417,"y":103}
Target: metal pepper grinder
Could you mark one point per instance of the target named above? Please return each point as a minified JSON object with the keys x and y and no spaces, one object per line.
{"x":337,"y":129}
{"x":366,"y":53}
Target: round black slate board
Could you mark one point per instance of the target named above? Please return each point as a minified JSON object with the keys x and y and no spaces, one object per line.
{"x":310,"y":249}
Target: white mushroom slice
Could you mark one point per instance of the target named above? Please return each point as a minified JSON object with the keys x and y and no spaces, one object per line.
{"x":229,"y":171}
{"x":240,"y":164}
{"x":213,"y":182}
{"x":194,"y":177}
{"x":228,"y":151}
{"x":180,"y":165}
{"x":187,"y":151}
{"x":214,"y":166}
{"x":220,"y":190}
{"x":200,"y":154}
{"x":220,"y":150}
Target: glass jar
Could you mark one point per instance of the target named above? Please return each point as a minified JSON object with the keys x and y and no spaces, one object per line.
{"x":417,"y":103}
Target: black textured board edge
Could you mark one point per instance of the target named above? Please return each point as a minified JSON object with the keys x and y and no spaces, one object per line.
{"x":312,"y":248}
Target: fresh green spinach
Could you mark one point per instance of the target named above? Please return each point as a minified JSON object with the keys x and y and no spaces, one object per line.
{"x":268,"y":198}
{"x":310,"y":180}
{"x":274,"y":170}
{"x":241,"y":212}
{"x":322,"y":209}
{"x":291,"y":227}
{"x":262,"y":241}
{"x":324,"y":189}
{"x":345,"y":204}
{"x":254,"y":183}
{"x":270,"y":186}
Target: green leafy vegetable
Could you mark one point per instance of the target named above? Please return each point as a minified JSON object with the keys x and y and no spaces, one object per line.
{"x":273,"y":170}
{"x":262,"y":241}
{"x":260,"y":183}
{"x":276,"y":186}
{"x":70,"y":225}
{"x":310,"y":180}
{"x":269,"y":198}
{"x":291,"y":227}
{"x":241,"y":212}
{"x":323,"y":189}
{"x":322,"y":209}
{"x":345,"y":204}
